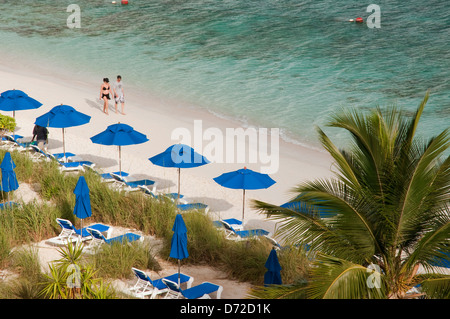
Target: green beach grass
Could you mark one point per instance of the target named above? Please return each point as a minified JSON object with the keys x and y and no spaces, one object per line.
{"x":36,"y":221}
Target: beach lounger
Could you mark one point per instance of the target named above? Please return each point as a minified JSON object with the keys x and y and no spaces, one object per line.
{"x":146,"y":287}
{"x":202,"y":291}
{"x":149,"y":192}
{"x":10,"y":140}
{"x":233,"y":222}
{"x":185,"y":204}
{"x":60,"y":156}
{"x":243,"y":234}
{"x":71,"y":166}
{"x":98,"y":239}
{"x":47,"y":156}
{"x":104,"y":177}
{"x":15,"y":145}
{"x":134,"y":185}
{"x":70,"y":233}
{"x":38,"y":153}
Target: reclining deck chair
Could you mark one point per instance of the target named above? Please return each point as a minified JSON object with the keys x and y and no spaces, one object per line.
{"x":70,"y":233}
{"x":236,"y":224}
{"x":98,"y":239}
{"x":201,"y":291}
{"x":71,"y":166}
{"x":134,"y":185}
{"x":146,"y":287}
{"x":243,"y":234}
{"x":151,"y":193}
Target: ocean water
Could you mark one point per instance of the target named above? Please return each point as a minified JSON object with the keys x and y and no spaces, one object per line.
{"x":271,"y":63}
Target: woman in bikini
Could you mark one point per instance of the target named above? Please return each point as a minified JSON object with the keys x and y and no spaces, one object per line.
{"x":105,"y":89}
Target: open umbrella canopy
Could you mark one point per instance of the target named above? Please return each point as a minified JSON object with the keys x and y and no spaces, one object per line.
{"x":82,"y":207}
{"x":180,"y":156}
{"x":120,"y":135}
{"x":62,"y":116}
{"x":244,"y":179}
{"x":9,"y":179}
{"x":273,"y":275}
{"x":16,"y":100}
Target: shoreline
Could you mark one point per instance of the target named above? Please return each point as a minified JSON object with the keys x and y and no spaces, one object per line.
{"x":157,"y":118}
{"x":46,"y":71}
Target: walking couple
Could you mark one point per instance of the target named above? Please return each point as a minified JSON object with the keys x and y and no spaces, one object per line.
{"x":116,"y":91}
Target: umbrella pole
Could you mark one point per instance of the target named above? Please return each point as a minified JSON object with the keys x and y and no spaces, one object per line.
{"x":81,"y":232}
{"x":243,"y":205}
{"x":64,"y":145}
{"x":179,"y":266}
{"x":179,"y":173}
{"x":120,"y":161}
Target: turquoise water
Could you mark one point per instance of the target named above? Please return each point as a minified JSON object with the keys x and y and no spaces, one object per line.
{"x":271,"y":63}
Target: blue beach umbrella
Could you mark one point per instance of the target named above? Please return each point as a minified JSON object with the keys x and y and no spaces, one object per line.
{"x":179,"y":156}
{"x":9,"y":179}
{"x":62,"y":116}
{"x":16,"y":100}
{"x":82,"y":207}
{"x":244,"y":179}
{"x":119,"y":135}
{"x":273,"y":275}
{"x":178,"y":248}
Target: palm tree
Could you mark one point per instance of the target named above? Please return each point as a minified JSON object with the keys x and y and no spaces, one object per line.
{"x":391,"y":196}
{"x":70,"y":278}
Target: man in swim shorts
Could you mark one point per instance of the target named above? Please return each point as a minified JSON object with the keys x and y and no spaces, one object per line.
{"x":41,"y":134}
{"x":118,"y":93}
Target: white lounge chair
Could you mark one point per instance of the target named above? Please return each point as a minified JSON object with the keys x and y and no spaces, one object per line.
{"x":202,"y":291}
{"x":234,"y":234}
{"x":99,"y":240}
{"x":104,"y":177}
{"x":15,"y":145}
{"x":70,"y":233}
{"x":152,"y":193}
{"x":134,"y":185}
{"x":145,"y":287}
{"x":72,"y":166}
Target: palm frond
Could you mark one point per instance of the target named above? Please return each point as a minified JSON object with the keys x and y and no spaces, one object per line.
{"x":294,"y":291}
{"x":335,"y":278}
{"x":437,"y":288}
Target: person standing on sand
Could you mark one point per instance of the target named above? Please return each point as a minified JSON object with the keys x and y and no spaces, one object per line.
{"x":41,"y":134}
{"x":105,"y":89}
{"x":118,"y":93}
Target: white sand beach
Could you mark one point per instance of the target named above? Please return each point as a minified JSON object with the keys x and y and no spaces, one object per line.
{"x":157,"y":119}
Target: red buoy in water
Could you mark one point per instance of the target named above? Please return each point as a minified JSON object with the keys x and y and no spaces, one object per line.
{"x":124,"y":2}
{"x":359,"y":19}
